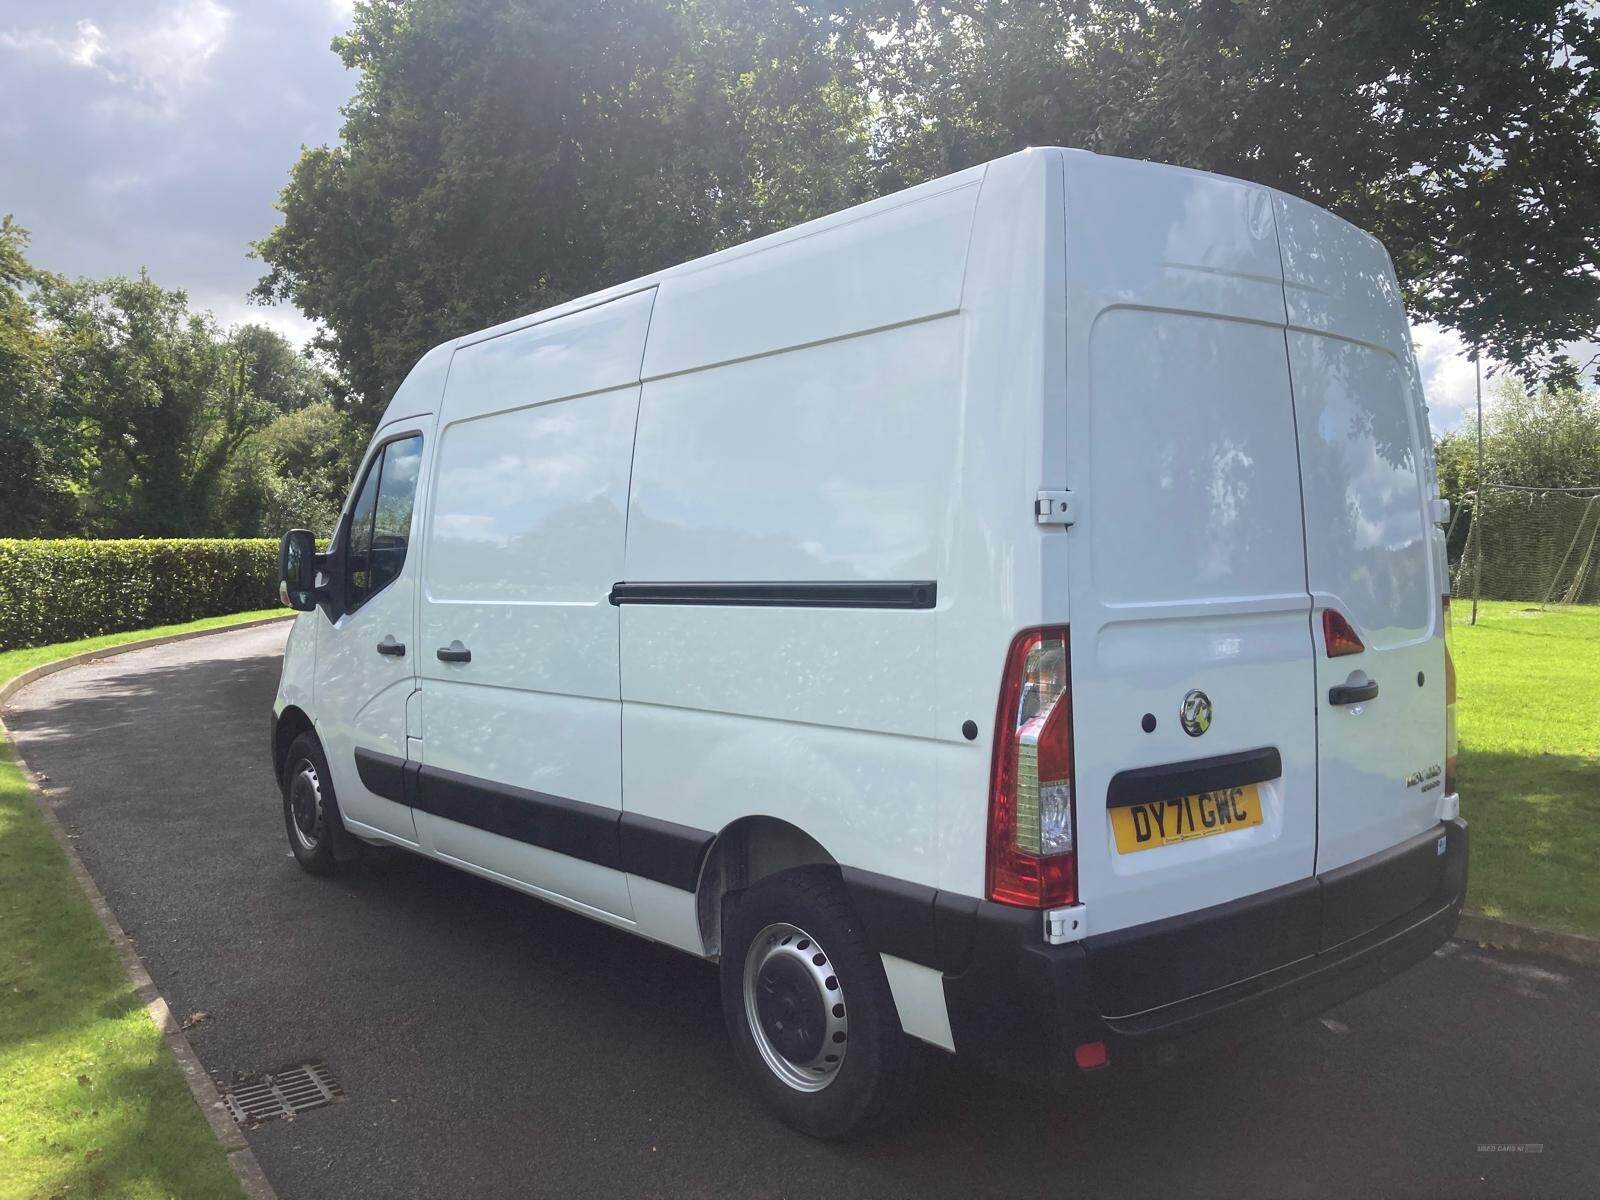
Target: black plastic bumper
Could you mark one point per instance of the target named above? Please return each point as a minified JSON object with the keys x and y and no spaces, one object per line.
{"x":1207,"y":979}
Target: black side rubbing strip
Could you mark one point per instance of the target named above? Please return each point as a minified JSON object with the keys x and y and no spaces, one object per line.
{"x":382,"y":774}
{"x":571,"y":827}
{"x":663,"y":851}
{"x":908,"y":920}
{"x":1171,"y":780}
{"x":898,"y":915}
{"x":908,"y":595}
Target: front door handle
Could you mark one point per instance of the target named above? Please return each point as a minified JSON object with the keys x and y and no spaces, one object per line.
{"x":392,"y":647}
{"x":1356,"y":690}
{"x":454,"y":652}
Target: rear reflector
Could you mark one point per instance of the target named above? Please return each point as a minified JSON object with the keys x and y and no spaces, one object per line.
{"x":1031,"y":856}
{"x":1091,"y":1055}
{"x":1338,"y":636}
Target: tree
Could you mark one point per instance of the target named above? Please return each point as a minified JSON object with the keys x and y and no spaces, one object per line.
{"x":500,"y":156}
{"x":34,"y":441}
{"x":503,"y":155}
{"x":123,"y":412}
{"x":136,"y":368}
{"x":160,"y":398}
{"x":1466,"y":137}
{"x":1543,"y":437}
{"x":293,"y":474}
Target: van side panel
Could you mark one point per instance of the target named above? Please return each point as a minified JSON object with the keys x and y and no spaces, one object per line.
{"x":819,"y":465}
{"x":896,"y":260}
{"x":1000,"y":571}
{"x":834,"y":462}
{"x":524,"y":540}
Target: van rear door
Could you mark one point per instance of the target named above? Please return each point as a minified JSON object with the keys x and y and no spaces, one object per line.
{"x":1187,"y":580}
{"x":1371,"y":552}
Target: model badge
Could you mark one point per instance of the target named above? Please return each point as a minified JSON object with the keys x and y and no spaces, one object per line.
{"x":1195,"y":713}
{"x":1427,"y":779}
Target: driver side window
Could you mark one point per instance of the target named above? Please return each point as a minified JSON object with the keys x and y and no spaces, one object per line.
{"x":380,"y":521}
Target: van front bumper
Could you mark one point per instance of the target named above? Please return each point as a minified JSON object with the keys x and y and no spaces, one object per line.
{"x":1205,"y":980}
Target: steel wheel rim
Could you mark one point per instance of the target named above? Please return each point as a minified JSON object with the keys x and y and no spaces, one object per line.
{"x":306,"y":812}
{"x":795,"y":1008}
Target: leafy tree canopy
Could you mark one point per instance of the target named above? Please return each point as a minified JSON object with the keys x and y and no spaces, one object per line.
{"x":1542,"y":437}
{"x":34,"y":439}
{"x":124,"y":412}
{"x":502,"y":155}
{"x":1464,"y":136}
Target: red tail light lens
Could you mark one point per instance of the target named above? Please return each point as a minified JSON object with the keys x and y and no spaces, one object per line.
{"x":1338,"y":636}
{"x":1449,"y":707}
{"x":1032,"y":860}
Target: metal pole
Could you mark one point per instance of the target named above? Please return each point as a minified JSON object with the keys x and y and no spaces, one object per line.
{"x":1477,"y":502}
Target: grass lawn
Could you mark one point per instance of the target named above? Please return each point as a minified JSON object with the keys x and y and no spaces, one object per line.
{"x":1528,"y":712}
{"x":91,"y":1102}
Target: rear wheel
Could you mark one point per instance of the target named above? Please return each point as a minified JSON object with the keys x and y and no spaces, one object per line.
{"x":807,"y":1004}
{"x":310,"y":812}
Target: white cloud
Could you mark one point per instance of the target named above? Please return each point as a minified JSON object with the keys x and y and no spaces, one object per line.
{"x":231,"y":312}
{"x":1448,"y":377}
{"x":80,"y":51}
{"x":156,"y":59}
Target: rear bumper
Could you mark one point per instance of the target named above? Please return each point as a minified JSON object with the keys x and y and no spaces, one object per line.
{"x":1157,"y":992}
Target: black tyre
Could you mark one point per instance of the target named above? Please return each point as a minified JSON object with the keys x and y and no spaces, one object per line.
{"x":310,"y":811}
{"x":808,"y":1008}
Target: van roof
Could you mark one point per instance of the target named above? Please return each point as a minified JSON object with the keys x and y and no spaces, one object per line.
{"x":811,"y":228}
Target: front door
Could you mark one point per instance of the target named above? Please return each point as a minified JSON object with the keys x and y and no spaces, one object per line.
{"x":366,"y":660}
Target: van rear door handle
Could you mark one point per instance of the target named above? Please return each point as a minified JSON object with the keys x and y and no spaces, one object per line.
{"x":390,"y":646}
{"x":1353,"y":691}
{"x":454,"y":652}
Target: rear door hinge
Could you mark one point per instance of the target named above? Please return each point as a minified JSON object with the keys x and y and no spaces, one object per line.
{"x":1053,"y":508}
{"x":1063,"y":925}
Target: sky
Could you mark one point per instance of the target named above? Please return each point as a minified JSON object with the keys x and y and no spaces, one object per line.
{"x":158,"y":134}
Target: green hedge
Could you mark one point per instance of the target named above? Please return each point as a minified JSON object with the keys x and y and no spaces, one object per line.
{"x":59,"y":590}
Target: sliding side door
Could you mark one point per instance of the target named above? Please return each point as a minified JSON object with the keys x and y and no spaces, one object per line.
{"x":521,"y":774}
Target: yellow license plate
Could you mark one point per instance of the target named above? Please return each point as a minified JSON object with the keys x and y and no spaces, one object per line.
{"x":1167,"y":822}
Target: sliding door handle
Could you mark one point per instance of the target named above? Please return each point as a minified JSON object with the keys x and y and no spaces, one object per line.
{"x":454,"y":652}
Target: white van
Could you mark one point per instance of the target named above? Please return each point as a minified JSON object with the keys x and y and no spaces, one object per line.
{"x":1010,"y":613}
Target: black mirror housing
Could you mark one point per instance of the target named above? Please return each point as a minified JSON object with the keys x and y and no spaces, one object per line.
{"x":297,"y":570}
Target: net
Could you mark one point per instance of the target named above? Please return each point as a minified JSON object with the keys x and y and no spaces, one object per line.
{"x":1540,"y":545}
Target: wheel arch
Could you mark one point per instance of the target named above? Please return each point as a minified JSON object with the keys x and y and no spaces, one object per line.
{"x":287,"y":725}
{"x":745,"y":852}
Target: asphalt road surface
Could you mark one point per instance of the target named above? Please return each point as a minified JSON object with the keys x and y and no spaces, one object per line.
{"x":495,"y":1046}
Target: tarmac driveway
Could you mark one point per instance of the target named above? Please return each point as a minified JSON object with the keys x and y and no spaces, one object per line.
{"x":494,"y":1046}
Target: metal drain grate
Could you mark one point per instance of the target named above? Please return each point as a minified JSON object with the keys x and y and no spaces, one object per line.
{"x":283,"y":1094}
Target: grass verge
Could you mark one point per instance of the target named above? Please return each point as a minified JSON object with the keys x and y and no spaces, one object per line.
{"x":1528,"y":711}
{"x":15,"y":662}
{"x":91,"y":1102}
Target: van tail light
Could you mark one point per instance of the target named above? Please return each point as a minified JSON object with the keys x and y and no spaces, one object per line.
{"x":1449,"y":707}
{"x":1032,"y":860}
{"x":1338,"y":636}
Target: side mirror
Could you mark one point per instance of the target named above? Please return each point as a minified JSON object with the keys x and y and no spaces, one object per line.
{"x":297,"y":570}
